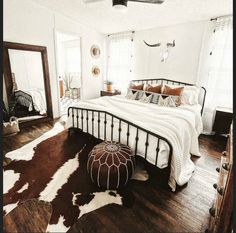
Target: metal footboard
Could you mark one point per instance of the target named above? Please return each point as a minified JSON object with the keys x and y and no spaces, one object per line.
{"x":89,"y":119}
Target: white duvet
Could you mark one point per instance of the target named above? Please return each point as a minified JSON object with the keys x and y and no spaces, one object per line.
{"x":181,"y":126}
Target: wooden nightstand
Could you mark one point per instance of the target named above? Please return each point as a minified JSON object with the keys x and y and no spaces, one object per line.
{"x":223,"y":120}
{"x":109,"y":93}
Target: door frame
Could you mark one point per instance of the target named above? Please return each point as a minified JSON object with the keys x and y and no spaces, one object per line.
{"x":56,"y":30}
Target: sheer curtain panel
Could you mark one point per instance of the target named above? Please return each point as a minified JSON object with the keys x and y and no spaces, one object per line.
{"x":216,"y":69}
{"x":120,"y":53}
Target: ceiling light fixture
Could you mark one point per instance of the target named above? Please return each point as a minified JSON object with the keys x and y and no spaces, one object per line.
{"x":119,"y":4}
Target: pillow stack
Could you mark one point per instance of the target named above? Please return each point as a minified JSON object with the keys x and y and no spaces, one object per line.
{"x":163,"y":95}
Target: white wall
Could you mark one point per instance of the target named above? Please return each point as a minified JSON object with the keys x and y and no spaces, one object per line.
{"x":27,"y":22}
{"x":183,"y":60}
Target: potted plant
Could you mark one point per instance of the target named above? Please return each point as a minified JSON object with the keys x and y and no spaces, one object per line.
{"x":109,"y":85}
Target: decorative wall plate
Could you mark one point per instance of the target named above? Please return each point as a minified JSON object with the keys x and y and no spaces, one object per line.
{"x":95,"y":51}
{"x":95,"y":71}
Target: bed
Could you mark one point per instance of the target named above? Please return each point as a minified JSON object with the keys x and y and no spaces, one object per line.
{"x":165,"y":137}
{"x":33,"y":101}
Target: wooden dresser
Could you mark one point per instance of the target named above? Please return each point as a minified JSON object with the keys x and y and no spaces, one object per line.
{"x":221,"y":219}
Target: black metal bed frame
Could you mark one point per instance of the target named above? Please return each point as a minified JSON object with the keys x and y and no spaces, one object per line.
{"x":81,"y":120}
{"x":25,"y":97}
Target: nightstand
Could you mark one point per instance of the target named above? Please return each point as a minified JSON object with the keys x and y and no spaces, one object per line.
{"x":109,"y":93}
{"x":223,"y":120}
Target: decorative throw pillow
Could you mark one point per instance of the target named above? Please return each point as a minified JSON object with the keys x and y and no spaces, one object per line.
{"x":132,"y":94}
{"x":146,"y":97}
{"x":136,"y":86}
{"x":156,"y":88}
{"x":168,"y":101}
{"x":155,"y":98}
{"x":173,"y":91}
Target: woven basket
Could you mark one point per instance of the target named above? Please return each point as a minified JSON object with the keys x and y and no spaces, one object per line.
{"x":11,"y":128}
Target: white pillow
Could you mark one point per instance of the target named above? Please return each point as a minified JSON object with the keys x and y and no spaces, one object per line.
{"x":190,"y":95}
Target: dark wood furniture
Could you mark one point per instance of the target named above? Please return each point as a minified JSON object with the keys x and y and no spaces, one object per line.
{"x":223,"y":120}
{"x":86,"y":119}
{"x":221,"y":220}
{"x":8,"y":75}
{"x":109,"y":93}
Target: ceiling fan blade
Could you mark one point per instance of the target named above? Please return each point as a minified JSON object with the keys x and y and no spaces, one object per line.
{"x":148,"y":1}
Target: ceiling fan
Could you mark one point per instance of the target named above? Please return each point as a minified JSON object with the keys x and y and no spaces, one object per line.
{"x":121,"y":4}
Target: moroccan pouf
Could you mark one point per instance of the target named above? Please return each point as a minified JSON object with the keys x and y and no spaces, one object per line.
{"x":111,"y":164}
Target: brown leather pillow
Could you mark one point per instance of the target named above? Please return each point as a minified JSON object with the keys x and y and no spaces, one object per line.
{"x":153,"y":88}
{"x":173,"y":91}
{"x":136,"y":86}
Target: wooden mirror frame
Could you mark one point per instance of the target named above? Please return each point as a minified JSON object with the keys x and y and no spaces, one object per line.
{"x":8,"y":75}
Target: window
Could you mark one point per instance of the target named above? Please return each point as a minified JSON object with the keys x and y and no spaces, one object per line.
{"x":216,"y":73}
{"x":120,"y":52}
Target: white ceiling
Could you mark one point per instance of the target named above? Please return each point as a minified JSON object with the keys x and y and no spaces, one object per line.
{"x":138,"y":16}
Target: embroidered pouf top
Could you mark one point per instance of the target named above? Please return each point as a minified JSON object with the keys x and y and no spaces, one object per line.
{"x":111,"y":164}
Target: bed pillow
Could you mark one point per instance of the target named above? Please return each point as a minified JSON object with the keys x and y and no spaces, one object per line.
{"x":177,"y":91}
{"x":132,"y":94}
{"x":136,"y":86}
{"x":146,"y":97}
{"x":155,"y":88}
{"x":168,"y":101}
{"x":190,"y":95}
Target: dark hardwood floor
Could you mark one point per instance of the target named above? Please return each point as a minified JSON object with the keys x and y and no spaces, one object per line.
{"x":156,"y":209}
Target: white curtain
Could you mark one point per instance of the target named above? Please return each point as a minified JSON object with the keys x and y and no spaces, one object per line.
{"x":216,"y":69}
{"x":120,"y":53}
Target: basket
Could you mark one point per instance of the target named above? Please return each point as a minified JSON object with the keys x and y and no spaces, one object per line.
{"x":11,"y":128}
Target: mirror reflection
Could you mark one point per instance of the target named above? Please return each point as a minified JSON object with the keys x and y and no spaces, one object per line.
{"x":28,"y":100}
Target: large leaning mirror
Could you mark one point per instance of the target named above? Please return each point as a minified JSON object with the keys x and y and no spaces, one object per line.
{"x":26,"y":82}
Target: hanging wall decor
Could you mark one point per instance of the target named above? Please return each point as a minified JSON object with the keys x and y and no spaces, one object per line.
{"x":95,"y":71}
{"x":95,"y":51}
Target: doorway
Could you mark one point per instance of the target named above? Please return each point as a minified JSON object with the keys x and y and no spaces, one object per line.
{"x":68,"y":62}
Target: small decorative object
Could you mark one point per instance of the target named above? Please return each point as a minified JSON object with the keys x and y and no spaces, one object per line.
{"x":67,"y":81}
{"x":10,"y":122}
{"x":164,"y":53}
{"x":109,"y":85}
{"x":74,"y":93}
{"x":95,"y":51}
{"x":95,"y":71}
{"x":111,"y":165}
{"x":152,"y":45}
{"x":11,"y":128}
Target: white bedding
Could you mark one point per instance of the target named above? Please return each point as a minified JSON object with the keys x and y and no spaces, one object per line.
{"x":181,"y":126}
{"x":39,"y":100}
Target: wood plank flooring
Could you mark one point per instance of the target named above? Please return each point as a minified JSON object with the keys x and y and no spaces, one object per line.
{"x":155,"y":209}
{"x":30,"y":216}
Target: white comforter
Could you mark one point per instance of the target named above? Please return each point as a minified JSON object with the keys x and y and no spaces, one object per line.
{"x":181,"y":126}
{"x":39,"y":100}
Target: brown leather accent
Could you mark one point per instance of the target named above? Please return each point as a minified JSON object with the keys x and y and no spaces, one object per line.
{"x":173,"y":91}
{"x":153,"y":88}
{"x":136,"y":86}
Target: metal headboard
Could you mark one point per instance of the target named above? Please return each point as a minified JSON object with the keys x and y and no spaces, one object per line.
{"x":162,"y":81}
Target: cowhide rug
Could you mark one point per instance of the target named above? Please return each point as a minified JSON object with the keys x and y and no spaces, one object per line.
{"x":52,"y":168}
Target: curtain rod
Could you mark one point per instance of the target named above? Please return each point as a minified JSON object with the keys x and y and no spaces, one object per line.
{"x":220,"y":17}
{"x":120,"y":33}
